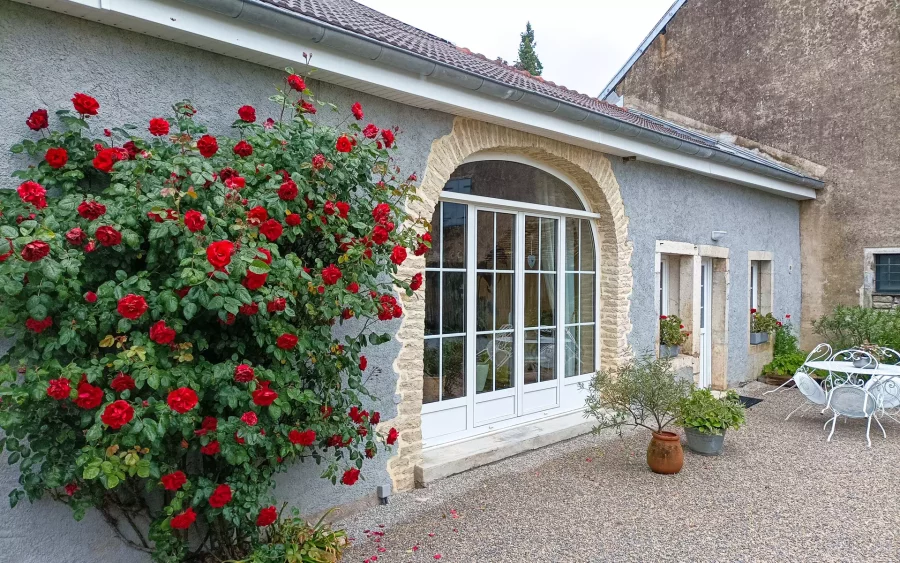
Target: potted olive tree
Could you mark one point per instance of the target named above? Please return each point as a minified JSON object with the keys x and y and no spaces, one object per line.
{"x":644,"y":392}
{"x":671,"y":336}
{"x":760,"y":326}
{"x":705,"y":418}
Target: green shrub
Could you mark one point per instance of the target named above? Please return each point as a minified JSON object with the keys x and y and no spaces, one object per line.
{"x":847,"y":327}
{"x":785,"y":341}
{"x":706,"y":414}
{"x":294,"y":540}
{"x":785,"y":365}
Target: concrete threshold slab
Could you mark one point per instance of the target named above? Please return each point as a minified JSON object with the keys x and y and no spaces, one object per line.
{"x":451,"y":459}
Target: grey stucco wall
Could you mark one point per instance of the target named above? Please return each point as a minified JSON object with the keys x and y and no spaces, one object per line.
{"x":667,"y":204}
{"x":45,"y":57}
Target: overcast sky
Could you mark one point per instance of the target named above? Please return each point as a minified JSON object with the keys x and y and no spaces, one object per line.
{"x":581,"y":43}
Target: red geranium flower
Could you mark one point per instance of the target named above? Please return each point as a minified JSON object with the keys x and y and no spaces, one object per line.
{"x":184,"y":520}
{"x":263,"y":396}
{"x":132,"y":306}
{"x":243,"y":373}
{"x":370,"y":131}
{"x":162,"y":333}
{"x":37,"y":326}
{"x":91,"y":210}
{"x":267,"y":516}
{"x":173,"y":481}
{"x":219,"y":253}
{"x":357,"y":111}
{"x":398,"y":255}
{"x":416,"y":282}
{"x":343,"y":144}
{"x":211,"y":448}
{"x":296,"y":82}
{"x":194,"y":220}
{"x":331,"y":274}
{"x":56,"y":157}
{"x":207,"y":145}
{"x":158,"y":127}
{"x":89,"y":396}
{"x":392,"y":436}
{"x":108,"y":236}
{"x":243,"y":148}
{"x":33,"y":193}
{"x":363,"y":363}
{"x":85,"y":105}
{"x":35,"y":251}
{"x":247,"y":113}
{"x":254,"y":281}
{"x":182,"y":400}
{"x":271,"y":229}
{"x":305,"y":438}
{"x":38,"y":120}
{"x":388,"y":137}
{"x":122,"y":382}
{"x":59,"y":389}
{"x":351,"y":476}
{"x":117,"y":414}
{"x":220,"y":497}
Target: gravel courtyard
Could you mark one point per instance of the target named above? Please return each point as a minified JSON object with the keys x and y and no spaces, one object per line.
{"x":778,"y":493}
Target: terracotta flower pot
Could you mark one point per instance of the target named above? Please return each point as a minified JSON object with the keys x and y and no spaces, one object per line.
{"x":664,"y":454}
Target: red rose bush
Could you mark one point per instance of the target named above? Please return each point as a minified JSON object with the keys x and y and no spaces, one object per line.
{"x":173,"y":297}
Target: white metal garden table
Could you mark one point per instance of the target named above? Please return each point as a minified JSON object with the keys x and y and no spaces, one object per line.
{"x":886,"y":375}
{"x":852,"y":371}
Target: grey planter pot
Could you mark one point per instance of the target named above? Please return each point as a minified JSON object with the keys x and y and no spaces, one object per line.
{"x":863,"y":363}
{"x":759,"y":337}
{"x":704,"y":444}
{"x":668,"y":351}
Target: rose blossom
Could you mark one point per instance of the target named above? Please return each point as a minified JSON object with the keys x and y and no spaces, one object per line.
{"x":266,"y":517}
{"x":211,"y":448}
{"x":243,"y":148}
{"x":91,"y":210}
{"x":209,"y":424}
{"x":173,"y":481}
{"x":306,"y":107}
{"x":343,"y":144}
{"x":271,"y":229}
{"x":117,"y":414}
{"x":162,"y":333}
{"x":257,"y":215}
{"x":207,"y":145}
{"x":59,"y":389}
{"x":318,"y":161}
{"x":392,"y":436}
{"x":350,"y":476}
{"x":184,"y":520}
{"x":35,"y":250}
{"x":219,"y":253}
{"x":363,"y":363}
{"x":263,"y":396}
{"x":132,"y":306}
{"x":194,"y":220}
{"x":416,"y":282}
{"x":296,"y":82}
{"x":305,"y":438}
{"x":357,"y":111}
{"x":37,"y":326}
{"x":398,"y":255}
{"x":220,"y":497}
{"x":247,"y":113}
{"x":249,"y":418}
{"x":182,"y":400}
{"x":370,"y":131}
{"x":158,"y":127}
{"x":388,"y":137}
{"x":254,"y":281}
{"x":89,"y":396}
{"x":33,"y":193}
{"x":106,"y":158}
{"x":249,"y":310}
{"x":75,"y":236}
{"x":56,"y":157}
{"x":107,"y":236}
{"x":243,"y":373}
{"x":84,"y":104}
{"x":122,"y":382}
{"x":38,"y":120}
{"x":331,"y":275}
{"x":288,"y":191}
{"x":293,"y":219}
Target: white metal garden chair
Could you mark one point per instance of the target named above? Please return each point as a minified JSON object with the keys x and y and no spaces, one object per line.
{"x":886,"y":390}
{"x":820,"y":352}
{"x":854,"y":401}
{"x":890,"y":356}
{"x":813,"y":392}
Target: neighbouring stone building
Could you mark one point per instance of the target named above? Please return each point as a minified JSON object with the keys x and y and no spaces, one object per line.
{"x":816,"y":78}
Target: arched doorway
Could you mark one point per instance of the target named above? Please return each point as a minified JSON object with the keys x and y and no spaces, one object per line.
{"x":511,"y":304}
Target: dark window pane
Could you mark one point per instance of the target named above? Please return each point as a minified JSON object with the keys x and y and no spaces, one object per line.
{"x":587,"y":247}
{"x":548,"y":299}
{"x":484,"y":251}
{"x":887,"y":273}
{"x":548,"y":245}
{"x":506,"y":239}
{"x":432,"y":303}
{"x":531,"y":356}
{"x":572,"y":353}
{"x":504,"y":360}
{"x":504,"y":295}
{"x":431,"y":384}
{"x":454,"y":235}
{"x":548,"y":354}
{"x":453,"y":302}
{"x":572,"y":238}
{"x":503,"y":179}
{"x":484,"y":361}
{"x":588,"y":350}
{"x":454,"y":369}
{"x":573,"y":296}
{"x":484,"y":302}
{"x":531,"y":299}
{"x":532,"y":242}
{"x":433,"y":256}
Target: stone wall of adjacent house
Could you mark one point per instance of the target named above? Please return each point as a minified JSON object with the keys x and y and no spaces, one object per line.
{"x":45,"y":57}
{"x":886,"y":302}
{"x":815,"y":78}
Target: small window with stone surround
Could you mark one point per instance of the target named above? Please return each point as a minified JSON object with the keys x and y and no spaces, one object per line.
{"x":881,"y":278}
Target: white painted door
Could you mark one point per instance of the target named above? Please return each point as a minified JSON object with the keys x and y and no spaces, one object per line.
{"x":705,"y":323}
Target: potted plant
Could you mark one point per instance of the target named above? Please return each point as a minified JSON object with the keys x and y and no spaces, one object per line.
{"x":869,"y":358}
{"x":644,"y":392}
{"x":482,"y":369}
{"x":761,"y":326}
{"x":705,"y":419}
{"x":671,"y":336}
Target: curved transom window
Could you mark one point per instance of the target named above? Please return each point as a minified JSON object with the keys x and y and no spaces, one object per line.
{"x":511,"y":299}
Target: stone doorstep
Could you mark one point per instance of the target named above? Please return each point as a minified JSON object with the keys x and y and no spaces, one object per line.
{"x":456,"y":458}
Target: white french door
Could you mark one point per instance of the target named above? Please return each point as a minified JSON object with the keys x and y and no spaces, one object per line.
{"x":705,"y":323}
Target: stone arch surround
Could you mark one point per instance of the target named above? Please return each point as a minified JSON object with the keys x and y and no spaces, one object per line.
{"x":592,"y":172}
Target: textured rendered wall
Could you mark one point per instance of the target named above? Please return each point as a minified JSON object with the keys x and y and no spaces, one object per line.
{"x":816,"y":78}
{"x":45,"y":57}
{"x":667,"y":204}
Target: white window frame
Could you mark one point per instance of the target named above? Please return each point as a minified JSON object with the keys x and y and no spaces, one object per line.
{"x":663,"y":285}
{"x":754,"y":284}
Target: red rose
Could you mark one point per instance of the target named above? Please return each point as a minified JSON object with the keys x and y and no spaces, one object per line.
{"x":182,"y":400}
{"x":392,"y":436}
{"x":122,"y":382}
{"x":59,"y":389}
{"x":249,"y":310}
{"x":173,"y":481}
{"x":207,"y":145}
{"x":239,"y":440}
{"x":254,"y":281}
{"x":329,"y":208}
{"x":357,"y":111}
{"x":247,"y":113}
{"x":220,"y":497}
{"x":107,"y":236}
{"x":288,"y":191}
{"x":219,"y":253}
{"x":132,"y":306}
{"x":381,"y":212}
{"x":91,"y":210}
{"x":243,"y":148}
{"x":105,"y":159}
{"x":194,"y":220}
{"x":306,"y":107}
{"x":375,"y":418}
{"x":243,"y":373}
{"x":379,"y":235}
{"x":162,"y":333}
{"x":267,"y":516}
{"x":211,"y":448}
{"x":424,"y":244}
{"x":343,"y":144}
{"x":209,"y":424}
{"x":353,"y":287}
{"x":271,"y":229}
{"x":276,"y":305}
{"x":257,"y":215}
{"x":89,"y":396}
{"x":416,"y":282}
{"x":326,"y":411}
{"x":158,"y":127}
{"x":37,"y":120}
{"x":117,"y":414}
{"x":35,"y":250}
{"x":33,"y":193}
{"x":318,"y":161}
{"x":85,"y":105}
{"x":363,"y":363}
{"x":370,"y":131}
{"x":249,"y":418}
{"x":90,"y":297}
{"x":343,"y":209}
{"x":130,"y":148}
{"x":787,"y":316}
{"x":236,"y":183}
{"x":37,"y":326}
{"x":263,"y":396}
{"x":357,"y":415}
{"x":56,"y":157}
{"x":305,"y":438}
{"x":293,"y":219}
{"x":331,"y":275}
{"x":388,"y":137}
{"x":351,"y":476}
{"x":286,"y":341}
{"x":76,"y":236}
{"x":296,"y":82}
{"x":184,"y":520}
{"x":398,"y":255}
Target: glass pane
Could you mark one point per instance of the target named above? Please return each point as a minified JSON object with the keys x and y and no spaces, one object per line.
{"x":587,"y":350}
{"x":503,"y":297}
{"x":504,"y":360}
{"x":505,"y":243}
{"x":432,"y":303}
{"x":573,"y":296}
{"x":454,"y":369}
{"x":532,"y":242}
{"x":431,"y":384}
{"x":453,"y":302}
{"x":572,"y":243}
{"x":887,"y":273}
{"x":548,"y":245}
{"x":587,"y":247}
{"x":587,"y":298}
{"x":454,"y":235}
{"x":484,"y":302}
{"x":514,"y":181}
{"x":548,"y":354}
{"x":572,"y":353}
{"x":548,"y":299}
{"x":531,"y":300}
{"x":433,"y":256}
{"x":484,"y":360}
{"x":531,"y":356}
{"x":484,"y":256}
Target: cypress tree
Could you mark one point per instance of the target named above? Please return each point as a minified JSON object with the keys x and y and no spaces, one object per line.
{"x":528,"y":59}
